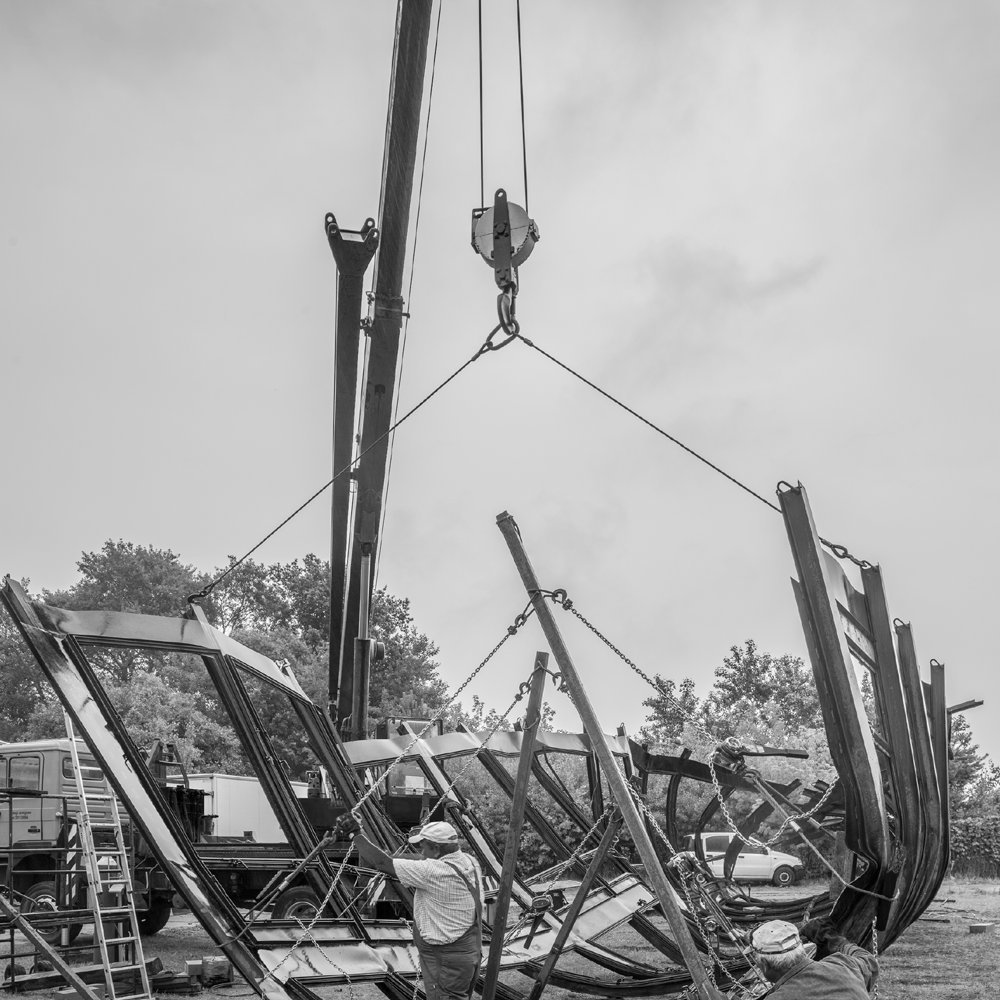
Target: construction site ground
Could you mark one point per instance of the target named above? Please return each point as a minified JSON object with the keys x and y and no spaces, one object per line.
{"x":937,"y":958}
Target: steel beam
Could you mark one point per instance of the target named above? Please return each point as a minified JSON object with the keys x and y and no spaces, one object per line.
{"x":412,"y":34}
{"x":532,"y":721}
{"x":619,"y":786}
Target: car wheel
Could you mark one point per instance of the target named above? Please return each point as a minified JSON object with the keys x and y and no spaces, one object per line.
{"x":783,"y":876}
{"x":297,"y":903}
{"x":41,"y":898}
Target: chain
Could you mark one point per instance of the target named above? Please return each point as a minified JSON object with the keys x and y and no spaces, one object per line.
{"x":557,"y":870}
{"x":482,"y":746}
{"x":840,"y":551}
{"x":560,"y":597}
{"x":512,"y":630}
{"x":796,"y":817}
{"x":307,"y":929}
{"x":685,"y":877}
{"x":875,"y":953}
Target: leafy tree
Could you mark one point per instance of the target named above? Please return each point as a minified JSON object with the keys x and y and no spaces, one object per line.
{"x":670,"y":710}
{"x":23,"y":683}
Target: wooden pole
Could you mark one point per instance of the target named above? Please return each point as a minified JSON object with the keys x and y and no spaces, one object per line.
{"x":616,"y":780}
{"x":532,"y":720}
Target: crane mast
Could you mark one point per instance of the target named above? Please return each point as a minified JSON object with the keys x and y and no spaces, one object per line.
{"x":354,"y":540}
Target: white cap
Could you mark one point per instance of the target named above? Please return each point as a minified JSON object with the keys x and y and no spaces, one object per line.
{"x":436,"y":833}
{"x":776,"y":937}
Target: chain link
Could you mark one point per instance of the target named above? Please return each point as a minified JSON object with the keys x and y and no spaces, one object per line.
{"x":840,"y":551}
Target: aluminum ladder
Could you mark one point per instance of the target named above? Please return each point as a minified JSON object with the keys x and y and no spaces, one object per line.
{"x":109,"y":877}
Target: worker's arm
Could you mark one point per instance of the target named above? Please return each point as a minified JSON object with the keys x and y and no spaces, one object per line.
{"x":370,"y":855}
{"x":831,"y":945}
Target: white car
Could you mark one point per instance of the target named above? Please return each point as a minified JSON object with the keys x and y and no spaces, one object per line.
{"x":754,"y":864}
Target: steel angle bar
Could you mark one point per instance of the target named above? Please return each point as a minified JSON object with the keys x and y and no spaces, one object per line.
{"x":933,"y":800}
{"x":62,"y":660}
{"x":617,"y":781}
{"x":937,"y":713}
{"x":844,"y":717}
{"x":888,"y":689}
{"x":656,"y":763}
{"x":495,"y":769}
{"x":533,"y":720}
{"x":569,"y":918}
{"x":264,"y":760}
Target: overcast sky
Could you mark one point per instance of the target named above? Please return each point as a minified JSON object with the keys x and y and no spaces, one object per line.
{"x":769,"y":227}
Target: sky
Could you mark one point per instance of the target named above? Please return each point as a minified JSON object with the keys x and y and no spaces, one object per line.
{"x":770,"y":228}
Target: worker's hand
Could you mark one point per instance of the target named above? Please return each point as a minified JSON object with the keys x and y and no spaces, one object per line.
{"x":347,"y":827}
{"x":819,"y":931}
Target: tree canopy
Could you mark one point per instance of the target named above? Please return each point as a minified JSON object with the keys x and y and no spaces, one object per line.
{"x":280,"y":609}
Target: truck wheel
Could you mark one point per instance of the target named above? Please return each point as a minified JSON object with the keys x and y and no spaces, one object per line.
{"x":155,"y":918}
{"x":297,"y":903}
{"x":783,"y":876}
{"x":41,"y":898}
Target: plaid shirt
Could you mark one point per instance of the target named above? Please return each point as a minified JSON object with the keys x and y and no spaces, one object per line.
{"x":443,"y":907}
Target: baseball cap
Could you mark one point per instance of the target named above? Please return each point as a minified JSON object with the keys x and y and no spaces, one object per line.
{"x":776,"y":937}
{"x":437,"y":833}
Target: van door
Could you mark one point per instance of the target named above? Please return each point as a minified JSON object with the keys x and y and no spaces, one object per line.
{"x":32,"y":819}
{"x":753,"y":862}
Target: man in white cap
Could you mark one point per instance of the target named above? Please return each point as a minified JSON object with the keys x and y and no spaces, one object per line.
{"x":846,"y":973}
{"x":447,"y":907}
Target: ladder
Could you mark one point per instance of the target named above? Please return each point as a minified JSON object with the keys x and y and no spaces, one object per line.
{"x":109,"y":877}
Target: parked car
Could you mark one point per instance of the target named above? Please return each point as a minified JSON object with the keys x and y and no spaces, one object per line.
{"x":754,"y":864}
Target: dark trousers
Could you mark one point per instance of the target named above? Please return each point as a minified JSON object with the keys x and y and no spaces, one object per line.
{"x":450,"y":970}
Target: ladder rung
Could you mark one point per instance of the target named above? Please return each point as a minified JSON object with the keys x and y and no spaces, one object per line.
{"x":115,"y":969}
{"x":130,"y":996}
{"x":119,"y":940}
{"x":98,"y":797}
{"x":105,"y":910}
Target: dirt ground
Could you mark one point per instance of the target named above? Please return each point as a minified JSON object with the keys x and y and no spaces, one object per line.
{"x":936,"y":959}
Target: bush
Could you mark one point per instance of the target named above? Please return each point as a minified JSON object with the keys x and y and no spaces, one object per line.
{"x":975,"y":846}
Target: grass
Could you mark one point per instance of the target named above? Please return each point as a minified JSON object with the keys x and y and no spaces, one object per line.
{"x":937,"y":958}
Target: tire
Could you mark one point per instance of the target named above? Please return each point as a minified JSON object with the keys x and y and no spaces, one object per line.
{"x":297,"y":903}
{"x":155,"y":918}
{"x":40,"y":898}
{"x":783,"y":876}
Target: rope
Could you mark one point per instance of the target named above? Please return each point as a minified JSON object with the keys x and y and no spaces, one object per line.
{"x":840,"y":551}
{"x":484,"y":349}
{"x":482,"y":168}
{"x":649,"y":423}
{"x":520,"y":73}
{"x":409,"y":293}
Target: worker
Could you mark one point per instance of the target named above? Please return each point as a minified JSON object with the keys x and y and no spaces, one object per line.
{"x":447,"y":905}
{"x":843,"y":971}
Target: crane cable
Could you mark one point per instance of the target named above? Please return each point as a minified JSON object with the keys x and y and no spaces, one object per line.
{"x":524,"y":144}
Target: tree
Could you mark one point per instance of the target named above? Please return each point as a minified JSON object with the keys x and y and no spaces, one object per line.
{"x":670,"y":710}
{"x":755,"y":691}
{"x":22,"y":681}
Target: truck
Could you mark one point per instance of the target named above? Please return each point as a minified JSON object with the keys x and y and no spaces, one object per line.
{"x":38,"y":807}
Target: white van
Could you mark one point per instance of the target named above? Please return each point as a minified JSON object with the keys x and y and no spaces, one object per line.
{"x":754,"y":864}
